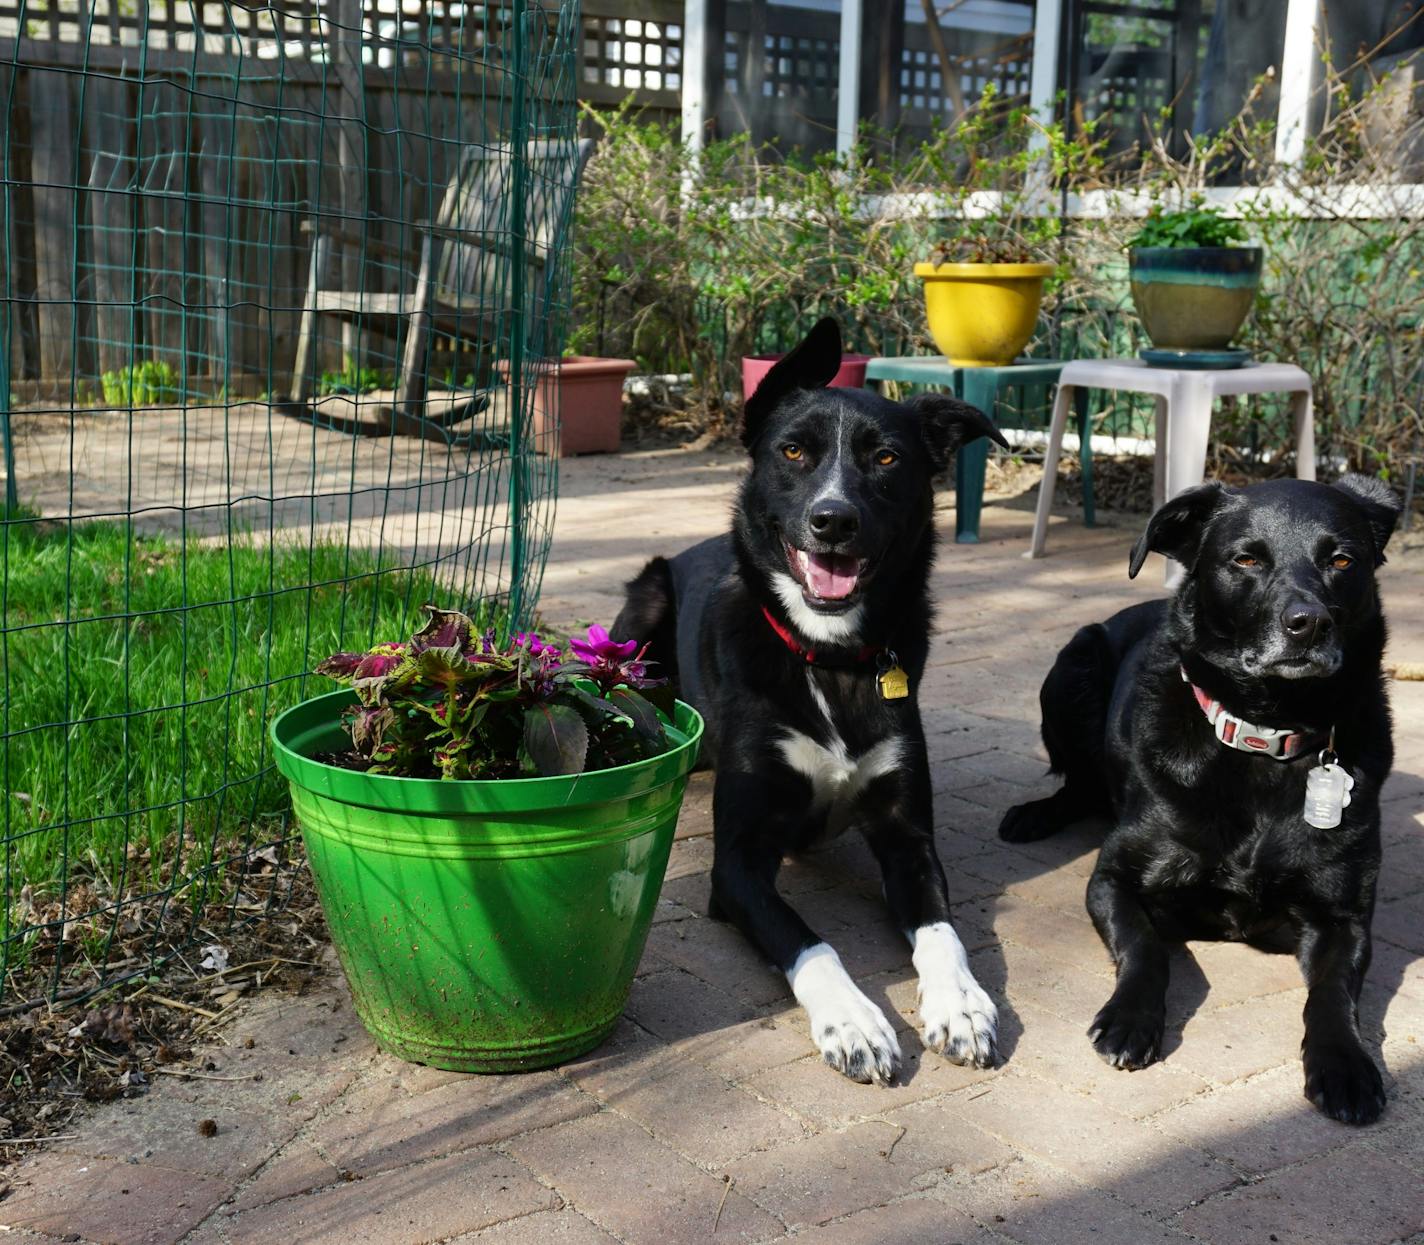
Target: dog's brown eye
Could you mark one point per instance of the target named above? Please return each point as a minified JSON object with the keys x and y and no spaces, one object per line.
{"x":794,"y":452}
{"x":1244,"y":559}
{"x":886,"y":457}
{"x":1341,"y":562}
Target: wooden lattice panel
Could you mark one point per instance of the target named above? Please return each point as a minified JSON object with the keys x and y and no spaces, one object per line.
{"x":293,"y":29}
{"x":1127,"y":86}
{"x":801,"y":67}
{"x":922,"y":79}
{"x":632,"y":53}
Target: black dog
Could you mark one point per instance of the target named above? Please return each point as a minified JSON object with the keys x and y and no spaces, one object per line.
{"x":802,"y":637}
{"x":1151,"y":719}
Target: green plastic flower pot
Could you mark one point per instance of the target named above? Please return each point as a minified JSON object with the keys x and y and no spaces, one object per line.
{"x":485,"y":926}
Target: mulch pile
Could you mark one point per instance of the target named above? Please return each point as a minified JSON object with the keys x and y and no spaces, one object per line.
{"x":663,"y":413}
{"x":96,"y":1045}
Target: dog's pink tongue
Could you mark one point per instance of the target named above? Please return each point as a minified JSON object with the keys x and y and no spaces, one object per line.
{"x":831,"y":576}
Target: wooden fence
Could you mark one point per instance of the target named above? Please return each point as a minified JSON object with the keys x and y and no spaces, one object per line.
{"x":163,"y":164}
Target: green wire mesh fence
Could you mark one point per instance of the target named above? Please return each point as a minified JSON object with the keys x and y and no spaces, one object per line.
{"x":280,"y":282}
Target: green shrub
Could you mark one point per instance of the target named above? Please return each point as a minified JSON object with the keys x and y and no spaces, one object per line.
{"x":150,"y":383}
{"x":353,"y":379}
{"x":687,"y":261}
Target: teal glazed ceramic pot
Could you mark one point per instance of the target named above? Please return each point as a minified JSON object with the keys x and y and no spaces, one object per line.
{"x":1193,"y":297}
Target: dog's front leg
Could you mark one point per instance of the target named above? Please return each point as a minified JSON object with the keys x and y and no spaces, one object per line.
{"x":1340,"y":1077}
{"x":1127,"y":1032}
{"x":750,"y":817}
{"x":959,"y":1020}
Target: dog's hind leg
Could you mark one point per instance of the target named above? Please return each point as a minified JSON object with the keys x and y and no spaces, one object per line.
{"x":649,"y":615}
{"x":1074,"y":700}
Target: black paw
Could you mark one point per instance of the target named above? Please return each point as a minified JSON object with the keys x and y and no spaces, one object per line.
{"x":1127,"y":1035}
{"x":1026,"y":823}
{"x":1342,"y":1080}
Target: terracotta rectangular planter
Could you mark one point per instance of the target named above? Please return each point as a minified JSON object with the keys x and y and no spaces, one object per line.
{"x":584,"y":395}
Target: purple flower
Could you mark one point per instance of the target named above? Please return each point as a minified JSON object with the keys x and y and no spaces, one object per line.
{"x":529,"y":642}
{"x":598,"y":649}
{"x":611,"y":662}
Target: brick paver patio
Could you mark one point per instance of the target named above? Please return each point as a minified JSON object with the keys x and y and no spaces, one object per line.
{"x":708,"y":1116}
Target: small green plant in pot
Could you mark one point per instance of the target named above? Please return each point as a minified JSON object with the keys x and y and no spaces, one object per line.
{"x":1193,"y":283}
{"x":488,"y":825}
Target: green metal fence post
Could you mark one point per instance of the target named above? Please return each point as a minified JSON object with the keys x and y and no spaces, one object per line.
{"x":12,"y":497}
{"x":7,"y":437}
{"x":518,"y":329}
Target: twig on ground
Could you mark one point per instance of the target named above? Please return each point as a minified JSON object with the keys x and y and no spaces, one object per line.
{"x":726,"y":1189}
{"x":204,"y":1076}
{"x":899,"y":1137}
{"x":182,"y":1007}
{"x":15,"y":1009}
{"x":30,"y":1141}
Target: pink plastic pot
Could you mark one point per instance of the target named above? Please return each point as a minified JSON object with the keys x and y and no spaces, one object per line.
{"x":581,"y":399}
{"x":756,"y":366}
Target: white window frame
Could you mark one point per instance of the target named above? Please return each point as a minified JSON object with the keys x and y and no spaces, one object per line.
{"x":1300,"y":75}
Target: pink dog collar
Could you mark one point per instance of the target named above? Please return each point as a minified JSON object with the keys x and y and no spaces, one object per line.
{"x":1234,"y":732}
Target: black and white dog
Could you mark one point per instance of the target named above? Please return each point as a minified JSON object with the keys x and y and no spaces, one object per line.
{"x":1195,"y":725}
{"x":801,"y":636}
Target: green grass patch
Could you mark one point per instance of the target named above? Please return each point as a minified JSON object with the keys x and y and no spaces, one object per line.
{"x":138,"y":676}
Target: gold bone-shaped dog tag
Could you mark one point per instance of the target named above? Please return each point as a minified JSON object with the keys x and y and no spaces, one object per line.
{"x":894,"y":683}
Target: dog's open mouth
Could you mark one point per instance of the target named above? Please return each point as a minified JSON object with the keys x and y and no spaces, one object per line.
{"x":829,"y":577}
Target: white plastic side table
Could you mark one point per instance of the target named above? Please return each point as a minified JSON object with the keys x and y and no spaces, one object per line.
{"x":1184,"y":401}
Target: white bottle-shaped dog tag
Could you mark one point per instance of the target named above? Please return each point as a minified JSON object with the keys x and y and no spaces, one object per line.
{"x":1327,"y":791}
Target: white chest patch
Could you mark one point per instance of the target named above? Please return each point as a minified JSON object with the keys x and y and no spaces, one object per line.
{"x":835,"y":776}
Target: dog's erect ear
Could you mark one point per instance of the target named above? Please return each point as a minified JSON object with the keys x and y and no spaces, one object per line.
{"x":1176,"y":529}
{"x":812,"y":365}
{"x":1381,"y":504}
{"x":947,"y":423}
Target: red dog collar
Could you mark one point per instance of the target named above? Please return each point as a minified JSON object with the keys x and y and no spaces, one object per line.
{"x":867,"y":652}
{"x":1234,"y":732}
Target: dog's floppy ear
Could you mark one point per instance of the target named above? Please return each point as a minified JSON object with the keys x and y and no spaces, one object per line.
{"x":1381,"y":504}
{"x":812,"y":365}
{"x":1176,"y":529}
{"x":947,"y":423}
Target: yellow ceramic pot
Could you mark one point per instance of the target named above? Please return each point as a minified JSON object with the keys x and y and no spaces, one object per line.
{"x":982,"y":315}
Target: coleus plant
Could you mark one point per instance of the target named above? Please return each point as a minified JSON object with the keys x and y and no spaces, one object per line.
{"x":452,"y":702}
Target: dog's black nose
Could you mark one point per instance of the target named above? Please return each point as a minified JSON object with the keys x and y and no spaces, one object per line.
{"x":835,"y":522}
{"x":1305,"y":622}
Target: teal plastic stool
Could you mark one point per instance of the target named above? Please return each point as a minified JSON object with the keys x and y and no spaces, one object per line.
{"x":983,"y":387}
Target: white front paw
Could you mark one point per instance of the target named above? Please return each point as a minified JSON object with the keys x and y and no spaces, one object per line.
{"x":960,"y":1020}
{"x":851,"y":1033}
